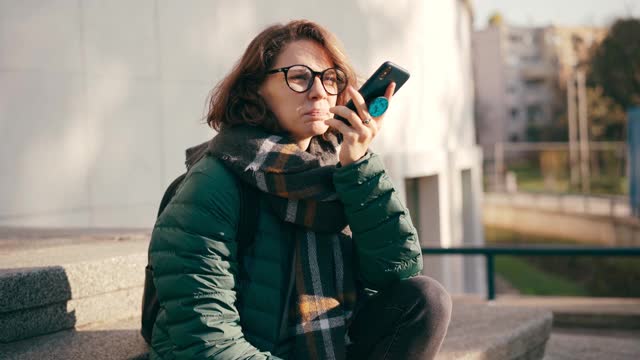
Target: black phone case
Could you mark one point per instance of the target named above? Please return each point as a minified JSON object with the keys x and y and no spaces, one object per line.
{"x":376,"y":86}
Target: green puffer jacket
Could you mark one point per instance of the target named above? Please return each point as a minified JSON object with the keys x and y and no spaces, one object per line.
{"x":193,"y":253}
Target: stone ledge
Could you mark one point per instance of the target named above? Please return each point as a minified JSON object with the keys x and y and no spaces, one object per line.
{"x":477,"y":332}
{"x":583,"y":312}
{"x":59,"y":287}
{"x":38,"y":277}
{"x":27,"y":323}
{"x":593,"y":344}
{"x":481,"y":331}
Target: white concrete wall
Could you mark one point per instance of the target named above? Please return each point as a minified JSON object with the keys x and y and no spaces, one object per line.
{"x":99,"y":99}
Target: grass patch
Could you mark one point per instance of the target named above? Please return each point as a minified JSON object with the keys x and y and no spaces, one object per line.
{"x":529,"y":280}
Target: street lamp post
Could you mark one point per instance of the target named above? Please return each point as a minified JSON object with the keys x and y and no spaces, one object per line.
{"x":633,"y":133}
{"x":573,"y":131}
{"x":584,"y":133}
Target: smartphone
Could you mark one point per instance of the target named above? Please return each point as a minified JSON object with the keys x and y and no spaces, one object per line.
{"x":377,"y":84}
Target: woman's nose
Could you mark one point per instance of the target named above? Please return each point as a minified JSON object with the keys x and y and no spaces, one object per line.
{"x":317,"y":89}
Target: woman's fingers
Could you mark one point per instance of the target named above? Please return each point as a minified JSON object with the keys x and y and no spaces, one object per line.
{"x":390,"y":90}
{"x":352,"y":117}
{"x":361,"y":105}
{"x":388,"y":94}
{"x":358,"y":136}
{"x":357,"y":120}
{"x":339,"y":125}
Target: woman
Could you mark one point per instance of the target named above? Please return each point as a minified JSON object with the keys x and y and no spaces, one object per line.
{"x":333,"y":270}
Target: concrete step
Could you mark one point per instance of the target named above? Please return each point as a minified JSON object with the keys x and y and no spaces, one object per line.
{"x":487,"y":331}
{"x":574,"y":312}
{"x":50,"y":288}
{"x":593,"y":344}
{"x":583,"y":312}
{"x":477,"y":332}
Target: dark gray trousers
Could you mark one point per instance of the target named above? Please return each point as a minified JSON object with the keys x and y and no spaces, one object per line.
{"x":408,"y":320}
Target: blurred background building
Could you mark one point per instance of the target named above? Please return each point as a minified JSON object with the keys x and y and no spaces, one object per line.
{"x":557,"y":118}
{"x":521,"y":75}
{"x":99,"y":99}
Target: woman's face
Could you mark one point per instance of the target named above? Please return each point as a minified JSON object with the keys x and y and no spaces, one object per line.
{"x":302,"y":115}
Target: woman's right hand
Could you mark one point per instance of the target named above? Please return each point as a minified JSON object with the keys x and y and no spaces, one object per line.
{"x":363,"y":129}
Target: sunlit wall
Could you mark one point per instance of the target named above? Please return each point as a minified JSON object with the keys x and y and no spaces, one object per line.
{"x":99,"y":99}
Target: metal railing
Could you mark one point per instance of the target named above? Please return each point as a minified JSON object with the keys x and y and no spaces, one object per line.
{"x":490,"y":252}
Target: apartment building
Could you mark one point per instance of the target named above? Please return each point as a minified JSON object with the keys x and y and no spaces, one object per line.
{"x":521,"y":75}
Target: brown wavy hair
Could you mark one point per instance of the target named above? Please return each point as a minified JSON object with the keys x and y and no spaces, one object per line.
{"x":235,"y":99}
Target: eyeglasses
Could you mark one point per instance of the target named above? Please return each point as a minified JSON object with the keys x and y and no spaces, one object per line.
{"x":300,"y":78}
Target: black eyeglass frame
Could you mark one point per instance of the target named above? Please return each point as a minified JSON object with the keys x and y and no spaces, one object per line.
{"x":314,"y":74}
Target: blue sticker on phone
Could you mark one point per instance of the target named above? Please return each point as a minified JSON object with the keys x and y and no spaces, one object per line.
{"x":378,"y":106}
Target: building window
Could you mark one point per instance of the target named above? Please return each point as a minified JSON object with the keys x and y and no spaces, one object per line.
{"x":577,"y":40}
{"x":552,"y":39}
{"x":531,"y":59}
{"x":533,"y":84}
{"x":514,"y":138}
{"x":514,"y":114}
{"x":515,"y":38}
{"x":534,"y":113}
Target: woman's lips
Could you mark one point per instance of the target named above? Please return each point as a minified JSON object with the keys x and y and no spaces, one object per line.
{"x":318,"y":114}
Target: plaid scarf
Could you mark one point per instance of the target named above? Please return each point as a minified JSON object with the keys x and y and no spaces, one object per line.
{"x":299,"y":186}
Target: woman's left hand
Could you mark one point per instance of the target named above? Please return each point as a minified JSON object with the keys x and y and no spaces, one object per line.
{"x":358,"y":136}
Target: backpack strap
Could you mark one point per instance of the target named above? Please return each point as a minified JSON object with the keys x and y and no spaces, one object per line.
{"x":150,"y":303}
{"x":170,"y":192}
{"x":248,"y":224}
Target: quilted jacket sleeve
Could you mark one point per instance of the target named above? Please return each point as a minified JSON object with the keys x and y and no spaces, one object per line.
{"x":193,"y":253}
{"x":386,"y":242}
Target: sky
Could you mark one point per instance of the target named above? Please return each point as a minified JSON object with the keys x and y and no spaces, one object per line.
{"x":559,"y":12}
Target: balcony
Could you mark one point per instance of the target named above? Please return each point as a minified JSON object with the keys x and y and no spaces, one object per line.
{"x":536,"y":71}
